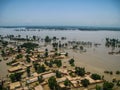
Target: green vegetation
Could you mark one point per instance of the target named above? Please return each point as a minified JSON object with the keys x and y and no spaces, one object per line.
{"x":117,"y":72}
{"x":71,"y":61}
{"x":52,"y":83}
{"x":107,"y":86}
{"x":96,"y":77}
{"x":4,"y":43}
{"x":47,"y":39}
{"x":98,"y":87}
{"x":85,"y":82}
{"x":118,"y":83}
{"x":81,"y":48}
{"x":80,"y":71}
{"x":58,"y":74}
{"x":40,"y":79}
{"x":41,"y":68}
{"x":3,"y":53}
{"x":19,"y":56}
{"x":28,"y":59}
{"x":29,"y":45}
{"x":28,"y":71}
{"x":58,"y":63}
{"x":15,"y":77}
{"x":13,"y":61}
{"x":67,"y":82}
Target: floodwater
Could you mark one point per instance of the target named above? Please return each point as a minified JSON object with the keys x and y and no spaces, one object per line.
{"x":95,"y":60}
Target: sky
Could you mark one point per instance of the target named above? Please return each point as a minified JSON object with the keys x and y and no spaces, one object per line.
{"x":60,"y":13}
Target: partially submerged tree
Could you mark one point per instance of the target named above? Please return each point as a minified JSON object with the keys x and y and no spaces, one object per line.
{"x":85,"y":82}
{"x":52,"y":83}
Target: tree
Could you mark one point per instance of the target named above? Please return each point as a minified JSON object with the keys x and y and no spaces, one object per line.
{"x":98,"y":87}
{"x":40,"y":78}
{"x":41,"y":68}
{"x":108,"y":85}
{"x":66,"y":54}
{"x":58,"y":74}
{"x":118,"y":83}
{"x":46,"y":54}
{"x":80,"y":71}
{"x":15,"y":77}
{"x":19,"y":56}
{"x":52,"y":83}
{"x":96,"y":77}
{"x":85,"y":82}
{"x":35,"y":66}
{"x":71,"y":61}
{"x":29,"y":45}
{"x":28,"y":59}
{"x":28,"y":71}
{"x":47,"y":39}
{"x":58,"y":63}
{"x":81,"y":48}
{"x":3,"y":53}
{"x":67,"y":82}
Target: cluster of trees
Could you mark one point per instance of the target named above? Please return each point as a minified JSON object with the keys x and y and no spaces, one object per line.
{"x":96,"y":77}
{"x":80,"y":71}
{"x":82,"y":43}
{"x":71,"y":62}
{"x":56,"y":44}
{"x":108,"y":72}
{"x":108,"y":85}
{"x":29,"y":45}
{"x":112,"y":42}
{"x":52,"y":83}
{"x":15,"y":77}
{"x":39,"y":68}
{"x":57,"y":62}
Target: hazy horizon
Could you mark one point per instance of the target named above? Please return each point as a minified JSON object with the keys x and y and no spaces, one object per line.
{"x":98,"y":13}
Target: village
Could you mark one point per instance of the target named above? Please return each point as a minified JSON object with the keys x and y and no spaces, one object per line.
{"x":42,"y":68}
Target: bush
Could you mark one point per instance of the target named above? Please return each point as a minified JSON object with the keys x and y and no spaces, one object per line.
{"x":85,"y":82}
{"x":108,"y":85}
{"x":15,"y":77}
{"x":117,"y":72}
{"x":58,"y":74}
{"x":118,"y":83}
{"x":67,"y":82}
{"x":52,"y":83}
{"x":80,"y":71}
{"x":96,"y":77}
{"x":71,"y":61}
{"x":19,"y":56}
{"x":29,"y":45}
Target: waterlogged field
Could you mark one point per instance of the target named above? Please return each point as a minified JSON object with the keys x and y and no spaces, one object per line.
{"x":95,"y":59}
